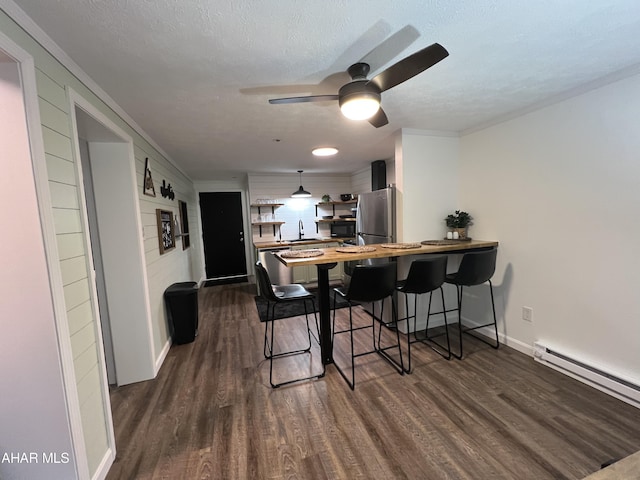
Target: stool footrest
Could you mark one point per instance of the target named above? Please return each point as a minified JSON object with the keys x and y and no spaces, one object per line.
{"x":335,"y":332}
{"x":289,"y":382}
{"x":432,"y":344}
{"x":284,"y":354}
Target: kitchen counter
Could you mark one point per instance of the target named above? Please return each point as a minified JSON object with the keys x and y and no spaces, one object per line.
{"x":625,"y":469}
{"x":290,"y":243}
{"x":333,"y":256}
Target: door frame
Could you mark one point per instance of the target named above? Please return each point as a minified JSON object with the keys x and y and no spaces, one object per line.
{"x":244,"y":241}
{"x":128,"y":297}
{"x":26,"y":67}
{"x":248,"y":249}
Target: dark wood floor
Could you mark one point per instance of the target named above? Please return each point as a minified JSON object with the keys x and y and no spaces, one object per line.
{"x":496,"y":414}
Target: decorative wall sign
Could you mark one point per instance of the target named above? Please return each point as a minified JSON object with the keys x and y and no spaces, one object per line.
{"x":147,"y":182}
{"x":166,"y":234}
{"x":167,"y":191}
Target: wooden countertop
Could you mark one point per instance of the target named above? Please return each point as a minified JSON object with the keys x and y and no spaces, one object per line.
{"x":626,"y":469}
{"x":331,"y":256}
{"x":289,"y":243}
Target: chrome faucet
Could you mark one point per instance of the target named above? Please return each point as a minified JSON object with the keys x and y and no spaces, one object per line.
{"x":300,"y":229}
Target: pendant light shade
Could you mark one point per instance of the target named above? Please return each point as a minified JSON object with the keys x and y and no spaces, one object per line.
{"x":301,"y":192}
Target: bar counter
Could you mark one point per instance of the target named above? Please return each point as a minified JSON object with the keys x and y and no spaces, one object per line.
{"x":331,"y":256}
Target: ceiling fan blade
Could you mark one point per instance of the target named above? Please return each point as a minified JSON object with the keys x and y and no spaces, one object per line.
{"x":311,"y":98}
{"x":410,"y":66}
{"x":379,"y":119}
{"x":391,"y":47}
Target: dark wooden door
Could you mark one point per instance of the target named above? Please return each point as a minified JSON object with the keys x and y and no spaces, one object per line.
{"x":223,"y":234}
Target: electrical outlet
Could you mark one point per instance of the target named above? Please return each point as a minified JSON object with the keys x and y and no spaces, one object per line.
{"x":527,"y":314}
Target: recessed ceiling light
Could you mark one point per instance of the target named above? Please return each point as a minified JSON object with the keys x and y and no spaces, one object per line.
{"x":324,"y":151}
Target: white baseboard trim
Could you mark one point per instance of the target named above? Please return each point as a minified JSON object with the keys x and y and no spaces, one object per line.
{"x":515,"y":344}
{"x":163,"y":354}
{"x":105,"y":465}
{"x":438,"y":320}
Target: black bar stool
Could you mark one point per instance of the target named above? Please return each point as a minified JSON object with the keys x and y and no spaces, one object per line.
{"x":370,"y":283}
{"x":275,"y":295}
{"x":475,"y":268}
{"x":425,"y":275}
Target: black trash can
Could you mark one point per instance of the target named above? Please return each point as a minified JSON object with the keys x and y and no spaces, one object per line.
{"x":182,"y":311}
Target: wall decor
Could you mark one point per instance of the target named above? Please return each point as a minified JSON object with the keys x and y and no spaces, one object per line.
{"x":184,"y":224}
{"x":166,"y":234}
{"x":147,"y":182}
{"x":167,"y":191}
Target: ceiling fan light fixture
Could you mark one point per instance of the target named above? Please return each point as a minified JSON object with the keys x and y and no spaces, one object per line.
{"x":361,"y":107}
{"x":301,"y":192}
{"x":359,"y":100}
{"x":324,"y":151}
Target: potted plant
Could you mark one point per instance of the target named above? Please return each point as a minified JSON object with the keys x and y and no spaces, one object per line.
{"x":458,"y":222}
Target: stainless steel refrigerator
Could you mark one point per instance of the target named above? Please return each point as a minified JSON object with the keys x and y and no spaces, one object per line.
{"x":375,"y":222}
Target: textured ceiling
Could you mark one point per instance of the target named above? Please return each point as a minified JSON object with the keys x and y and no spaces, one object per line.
{"x":196,"y":74}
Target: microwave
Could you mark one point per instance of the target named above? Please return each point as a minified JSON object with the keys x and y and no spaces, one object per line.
{"x":343,"y":229}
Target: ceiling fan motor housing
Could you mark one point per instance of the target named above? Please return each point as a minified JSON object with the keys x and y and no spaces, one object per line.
{"x":358,"y":89}
{"x":359,"y":71}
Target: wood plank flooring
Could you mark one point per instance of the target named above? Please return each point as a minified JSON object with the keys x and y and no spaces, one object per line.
{"x":496,"y":414}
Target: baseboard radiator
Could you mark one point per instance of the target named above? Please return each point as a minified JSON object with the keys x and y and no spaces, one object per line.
{"x":617,"y":387}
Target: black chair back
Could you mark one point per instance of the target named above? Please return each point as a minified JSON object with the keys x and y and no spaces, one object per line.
{"x":476,"y":267}
{"x":425,"y":275}
{"x":372,"y":282}
{"x":264,"y":283}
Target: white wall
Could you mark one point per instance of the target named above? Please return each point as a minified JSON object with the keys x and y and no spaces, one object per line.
{"x":426,"y":176}
{"x":124,"y":274}
{"x":426,"y":179}
{"x":361,"y":180}
{"x":559,"y":188}
{"x":33,"y":410}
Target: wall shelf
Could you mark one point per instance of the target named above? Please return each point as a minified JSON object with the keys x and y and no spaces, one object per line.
{"x":333,"y":205}
{"x":273,"y":224}
{"x":260,"y":206}
{"x":335,"y":218}
{"x":272,"y":207}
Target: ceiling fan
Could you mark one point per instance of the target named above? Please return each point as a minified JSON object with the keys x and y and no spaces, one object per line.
{"x":360,"y":98}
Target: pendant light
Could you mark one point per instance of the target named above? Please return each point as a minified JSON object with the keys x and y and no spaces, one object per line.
{"x":301,"y":192}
